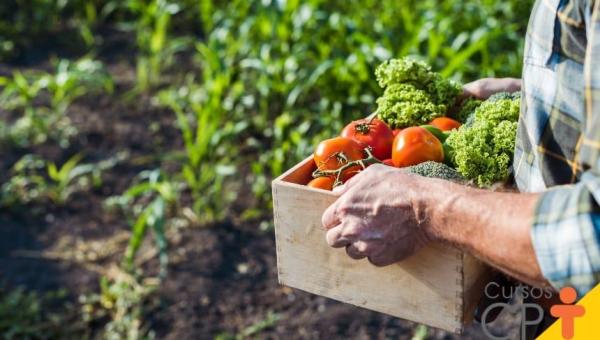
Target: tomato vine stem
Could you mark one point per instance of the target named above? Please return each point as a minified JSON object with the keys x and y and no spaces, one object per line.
{"x":337,"y":173}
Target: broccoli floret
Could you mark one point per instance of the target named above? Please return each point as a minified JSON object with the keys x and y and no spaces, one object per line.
{"x":436,"y":170}
{"x":413,"y":93}
{"x":505,"y":95}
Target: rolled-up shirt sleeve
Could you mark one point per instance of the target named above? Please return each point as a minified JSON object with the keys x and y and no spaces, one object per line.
{"x":566,"y":227}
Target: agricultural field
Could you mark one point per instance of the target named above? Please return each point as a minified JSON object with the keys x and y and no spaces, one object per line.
{"x":138,"y":139}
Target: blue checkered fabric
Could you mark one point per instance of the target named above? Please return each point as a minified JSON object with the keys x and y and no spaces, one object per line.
{"x":558,"y":139}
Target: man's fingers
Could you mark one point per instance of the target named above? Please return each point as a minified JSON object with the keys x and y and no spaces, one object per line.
{"x":342,"y":234}
{"x":335,"y":238}
{"x":380,"y":260}
{"x":354,"y":253}
{"x":331,"y":217}
{"x":472,"y":90}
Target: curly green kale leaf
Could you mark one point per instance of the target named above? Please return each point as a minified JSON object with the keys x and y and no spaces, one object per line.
{"x":404,"y":105}
{"x":496,"y":111}
{"x":483,"y":151}
{"x":505,"y":134}
{"x":413,"y":93}
{"x":405,"y":70}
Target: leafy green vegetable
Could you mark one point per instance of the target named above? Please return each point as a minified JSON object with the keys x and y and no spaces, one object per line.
{"x":413,"y":94}
{"x":497,"y":111}
{"x":436,"y":170}
{"x":467,"y":108}
{"x":482,"y":148}
{"x":404,"y":105}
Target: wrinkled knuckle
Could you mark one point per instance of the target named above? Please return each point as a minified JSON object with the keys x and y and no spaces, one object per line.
{"x":342,"y":211}
{"x":350,"y":230}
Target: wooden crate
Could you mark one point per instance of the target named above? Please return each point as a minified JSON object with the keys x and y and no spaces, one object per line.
{"x":439,"y":286}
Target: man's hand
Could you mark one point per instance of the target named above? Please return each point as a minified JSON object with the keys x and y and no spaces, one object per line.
{"x":484,"y":88}
{"x":377,"y":216}
{"x":387,"y":215}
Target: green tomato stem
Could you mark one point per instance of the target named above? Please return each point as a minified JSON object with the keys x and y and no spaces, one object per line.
{"x":363,"y":163}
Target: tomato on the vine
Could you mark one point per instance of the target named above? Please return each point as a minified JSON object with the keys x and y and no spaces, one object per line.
{"x":325,"y":183}
{"x":331,"y":154}
{"x":371,"y":132}
{"x":416,"y":145}
{"x":445,"y":123}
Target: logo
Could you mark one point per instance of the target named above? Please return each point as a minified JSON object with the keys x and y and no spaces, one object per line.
{"x":567,"y":312}
{"x":532,"y":313}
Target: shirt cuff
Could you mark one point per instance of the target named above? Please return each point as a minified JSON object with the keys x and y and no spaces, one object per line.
{"x":564,"y":238}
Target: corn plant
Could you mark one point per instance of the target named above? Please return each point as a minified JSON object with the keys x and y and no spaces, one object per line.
{"x":36,"y":118}
{"x":157,"y":48}
{"x":19,"y":93}
{"x":201,"y":119}
{"x":121,"y":300}
{"x":147,"y":206}
{"x":35,"y":180}
{"x":28,"y":314}
{"x":305,"y":67}
{"x":75,"y":79}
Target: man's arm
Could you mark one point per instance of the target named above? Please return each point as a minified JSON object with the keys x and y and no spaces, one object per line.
{"x":494,"y":226}
{"x":387,"y":215}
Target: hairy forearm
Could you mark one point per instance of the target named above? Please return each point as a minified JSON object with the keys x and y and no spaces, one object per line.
{"x":493,"y":226}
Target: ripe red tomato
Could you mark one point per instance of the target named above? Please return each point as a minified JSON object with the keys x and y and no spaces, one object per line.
{"x":325,"y":183}
{"x":388,"y":162}
{"x":333,"y":153}
{"x":445,"y":123}
{"x":371,"y":132}
{"x":416,"y":145}
{"x":395,"y":132}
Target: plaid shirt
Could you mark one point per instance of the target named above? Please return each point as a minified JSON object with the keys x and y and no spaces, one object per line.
{"x":558,"y":139}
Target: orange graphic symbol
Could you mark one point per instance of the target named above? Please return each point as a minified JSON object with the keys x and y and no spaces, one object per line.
{"x":567,"y":312}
